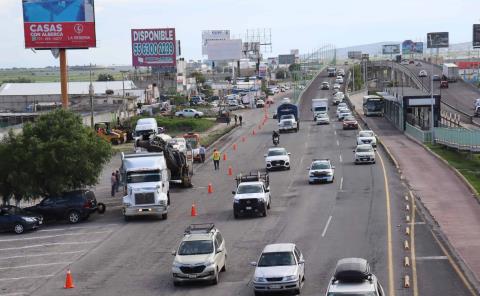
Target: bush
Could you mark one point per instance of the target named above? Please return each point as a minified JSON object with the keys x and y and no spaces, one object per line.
{"x":175,"y":125}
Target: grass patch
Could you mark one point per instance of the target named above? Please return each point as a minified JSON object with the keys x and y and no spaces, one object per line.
{"x":467,"y":164}
{"x":126,"y":147}
{"x":212,"y":137}
{"x":175,"y":126}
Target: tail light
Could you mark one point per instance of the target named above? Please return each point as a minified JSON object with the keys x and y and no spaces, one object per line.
{"x":88,"y":204}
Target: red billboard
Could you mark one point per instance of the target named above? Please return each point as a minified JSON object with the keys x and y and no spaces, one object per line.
{"x":59,"y":23}
{"x":154,"y":48}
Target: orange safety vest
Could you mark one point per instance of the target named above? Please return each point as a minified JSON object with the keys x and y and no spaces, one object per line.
{"x":216,"y":155}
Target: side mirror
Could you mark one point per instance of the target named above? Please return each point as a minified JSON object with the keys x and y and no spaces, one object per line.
{"x":267,"y":190}
{"x":219,"y":250}
{"x":333,"y":167}
{"x":233,"y":192}
{"x":253,"y":263}
{"x":353,"y":151}
{"x":264,"y":155}
{"x":289,"y":153}
{"x":301,"y":261}
{"x":174,"y":252}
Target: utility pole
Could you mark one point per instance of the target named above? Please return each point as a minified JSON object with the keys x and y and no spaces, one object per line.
{"x":64,"y":77}
{"x":91,"y":92}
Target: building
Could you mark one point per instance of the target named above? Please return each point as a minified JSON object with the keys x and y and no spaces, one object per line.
{"x":17,"y":97}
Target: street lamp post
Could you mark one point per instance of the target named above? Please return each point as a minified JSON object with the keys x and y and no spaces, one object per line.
{"x":91,"y":92}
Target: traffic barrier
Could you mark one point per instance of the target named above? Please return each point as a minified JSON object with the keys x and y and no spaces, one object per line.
{"x":210,"y":188}
{"x":407,"y":230}
{"x":407,"y":218}
{"x":407,"y":207}
{"x":235,"y":147}
{"x":406,"y":261}
{"x":230,"y":171}
{"x":405,"y":245}
{"x":406,"y":281}
{"x":69,"y":280}
{"x":225,"y":156}
{"x":193,"y":211}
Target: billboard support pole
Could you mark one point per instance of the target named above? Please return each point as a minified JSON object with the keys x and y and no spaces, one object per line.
{"x":64,"y":77}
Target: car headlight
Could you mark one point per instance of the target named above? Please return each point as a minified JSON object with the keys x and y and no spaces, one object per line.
{"x":290,"y":278}
{"x":29,"y":219}
{"x":176,"y":264}
{"x":259,"y":279}
{"x":329,"y":174}
{"x":236,"y":201}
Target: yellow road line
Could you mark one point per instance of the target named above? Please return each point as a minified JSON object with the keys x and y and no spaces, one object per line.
{"x":391,"y":281}
{"x":412,"y":247}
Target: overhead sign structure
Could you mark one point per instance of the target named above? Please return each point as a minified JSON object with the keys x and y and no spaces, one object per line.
{"x":224,"y":50}
{"x":411,"y":47}
{"x":391,"y":49}
{"x":209,"y":35}
{"x":59,"y":24}
{"x":357,"y":55}
{"x":286,"y":59}
{"x":437,"y":40}
{"x":476,"y":36}
{"x":154,"y":48}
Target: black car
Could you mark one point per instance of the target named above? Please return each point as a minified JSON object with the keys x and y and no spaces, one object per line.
{"x":15,"y":219}
{"x":72,"y":206}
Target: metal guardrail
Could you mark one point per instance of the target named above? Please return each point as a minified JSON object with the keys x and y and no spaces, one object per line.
{"x":416,"y":133}
{"x":458,"y":138}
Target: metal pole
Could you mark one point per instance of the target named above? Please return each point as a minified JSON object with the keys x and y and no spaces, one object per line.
{"x":64,"y":77}
{"x":91,"y":92}
{"x":432,"y":105}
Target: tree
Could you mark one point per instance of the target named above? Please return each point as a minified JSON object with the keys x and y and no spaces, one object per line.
{"x":294,"y":67}
{"x":105,"y":77}
{"x":281,"y":74}
{"x":199,"y":77}
{"x":57,"y":153}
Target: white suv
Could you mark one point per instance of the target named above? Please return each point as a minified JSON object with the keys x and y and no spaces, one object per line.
{"x":321,"y":170}
{"x":281,"y":267}
{"x":277,"y":158}
{"x":353,"y":277}
{"x":201,"y":256}
{"x":367,"y":137}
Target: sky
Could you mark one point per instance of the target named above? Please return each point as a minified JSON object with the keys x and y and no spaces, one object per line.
{"x":302,"y":24}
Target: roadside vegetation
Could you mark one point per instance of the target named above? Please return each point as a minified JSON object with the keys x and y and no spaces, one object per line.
{"x":212,"y":137}
{"x":467,"y":164}
{"x":175,"y":126}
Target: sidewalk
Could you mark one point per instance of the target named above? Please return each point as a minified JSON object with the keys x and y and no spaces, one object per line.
{"x":441,"y":191}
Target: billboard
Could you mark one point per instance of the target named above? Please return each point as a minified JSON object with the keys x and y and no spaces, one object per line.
{"x":437,"y":40}
{"x":251,"y":47}
{"x":296,"y":52}
{"x":59,"y":23}
{"x":410,"y":47}
{"x":355,"y":55}
{"x":209,"y":35}
{"x":286,"y":59}
{"x":262,"y":70}
{"x":154,"y":48}
{"x":391,"y":49}
{"x":476,"y":36}
{"x":224,"y":50}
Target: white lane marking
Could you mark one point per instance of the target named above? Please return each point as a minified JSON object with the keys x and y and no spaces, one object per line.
{"x":341,"y":184}
{"x":50,"y":244}
{"x":36,"y":265}
{"x":326,"y":226}
{"x":42,"y":254}
{"x":79,"y":227}
{"x":338,"y":143}
{"x":340,"y":156}
{"x":51,"y":236}
{"x":15,"y":294}
{"x":27,"y":277}
{"x":335,"y":132}
{"x":432,"y":258}
{"x":418,"y":223}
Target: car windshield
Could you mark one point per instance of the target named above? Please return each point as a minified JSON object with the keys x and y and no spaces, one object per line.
{"x":276,"y":259}
{"x":352,"y":294}
{"x":320,"y":166}
{"x":145,"y":176}
{"x":366,"y":134}
{"x":197,"y":247}
{"x":322,"y":115}
{"x":350,"y":118}
{"x":245,"y":189}
{"x":364,"y":149}
{"x":290,"y":116}
{"x":277,"y":152}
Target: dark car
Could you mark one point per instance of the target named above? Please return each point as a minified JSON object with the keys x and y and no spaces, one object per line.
{"x":436,"y":78}
{"x":350,"y":122}
{"x":15,"y":219}
{"x":72,"y":206}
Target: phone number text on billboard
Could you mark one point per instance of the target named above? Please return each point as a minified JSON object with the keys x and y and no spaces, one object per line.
{"x":153,"y":48}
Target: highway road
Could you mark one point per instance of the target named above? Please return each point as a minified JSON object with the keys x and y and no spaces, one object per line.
{"x":361,"y":214}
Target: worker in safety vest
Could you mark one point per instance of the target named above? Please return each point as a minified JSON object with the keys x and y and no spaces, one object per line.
{"x":216,"y":159}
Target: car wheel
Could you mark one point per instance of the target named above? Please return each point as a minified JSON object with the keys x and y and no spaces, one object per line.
{"x":18,"y":228}
{"x":310,"y":182}
{"x":235,"y":215}
{"x":126,"y":218}
{"x":269,"y":203}
{"x":180,"y":115}
{"x":73,"y":217}
{"x":176,"y":283}
{"x":264,"y":214}
{"x":215,"y":280}
{"x":168,"y":198}
{"x":196,"y":116}
{"x":164,"y":216}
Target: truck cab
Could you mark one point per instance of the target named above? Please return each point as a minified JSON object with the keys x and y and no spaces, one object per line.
{"x":146,"y":185}
{"x":287,"y":115}
{"x":252,"y":195}
{"x":145,"y":129}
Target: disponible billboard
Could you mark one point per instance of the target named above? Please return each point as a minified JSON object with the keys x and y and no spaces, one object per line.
{"x":391,"y":49}
{"x":59,"y":23}
{"x":154,"y":48}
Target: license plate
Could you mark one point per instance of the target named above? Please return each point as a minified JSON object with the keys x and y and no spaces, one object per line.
{"x":144,"y":210}
{"x":40,"y":222}
{"x":275,"y":287}
{"x":192,"y":276}
{"x":248,"y":208}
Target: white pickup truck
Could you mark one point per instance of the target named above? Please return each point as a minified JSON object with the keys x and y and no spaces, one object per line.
{"x":147,"y":185}
{"x":252,"y":195}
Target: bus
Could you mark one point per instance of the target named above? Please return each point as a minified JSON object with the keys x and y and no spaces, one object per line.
{"x":373,"y":105}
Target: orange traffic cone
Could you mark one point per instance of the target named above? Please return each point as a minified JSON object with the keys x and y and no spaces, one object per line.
{"x":193,"y":211}
{"x":225,"y":156}
{"x":253,"y":132}
{"x":210,"y":188}
{"x":230,"y":171}
{"x":243,"y":139}
{"x":69,"y":281}
{"x":235,"y":147}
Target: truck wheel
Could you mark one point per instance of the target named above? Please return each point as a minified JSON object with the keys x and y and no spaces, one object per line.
{"x":164,"y":216}
{"x":269,"y":203}
{"x":101,"y":208}
{"x":168,"y":198}
{"x":127,"y":218}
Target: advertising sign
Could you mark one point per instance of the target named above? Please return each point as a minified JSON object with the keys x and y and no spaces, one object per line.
{"x":410,"y":47}
{"x":296,"y":52}
{"x":418,"y":47}
{"x":262,"y":70}
{"x":355,"y":55}
{"x":224,"y":50}
{"x":476,"y":36}
{"x":391,"y":49}
{"x":286,"y":59}
{"x":154,"y":48}
{"x":251,"y":47}
{"x":437,"y":40}
{"x":59,"y":23}
{"x":209,"y":35}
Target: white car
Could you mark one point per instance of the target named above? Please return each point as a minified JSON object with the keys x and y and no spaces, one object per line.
{"x":277,"y":158}
{"x":339,"y":80}
{"x":260,"y":103}
{"x":179,"y":144}
{"x":341,"y":72}
{"x":338,"y":98}
{"x":342,"y":105}
{"x":367,"y":137}
{"x":322,"y":118}
{"x":321,"y":170}
{"x":280,"y":268}
{"x":189,"y":113}
{"x":201,"y":256}
{"x":336,"y":86}
{"x":343,"y":113}
{"x":422,"y":73}
{"x":364,"y":153}
{"x":353,"y":277}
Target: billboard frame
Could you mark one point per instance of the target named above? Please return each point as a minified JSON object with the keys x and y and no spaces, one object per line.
{"x":476,"y":37}
{"x":391,"y":52}
{"x":148,"y":44}
{"x":437,"y":36}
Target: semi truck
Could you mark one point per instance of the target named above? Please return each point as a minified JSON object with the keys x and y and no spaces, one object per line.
{"x":319,"y":106}
{"x":332,"y":71}
{"x":450,"y":71}
{"x":146,"y":185}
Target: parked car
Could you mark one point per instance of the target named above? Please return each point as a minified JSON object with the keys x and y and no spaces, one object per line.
{"x":73,"y":206}
{"x":189,"y":113}
{"x":15,"y":219}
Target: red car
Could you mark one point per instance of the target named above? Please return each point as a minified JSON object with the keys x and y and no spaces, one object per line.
{"x":350,"y":122}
